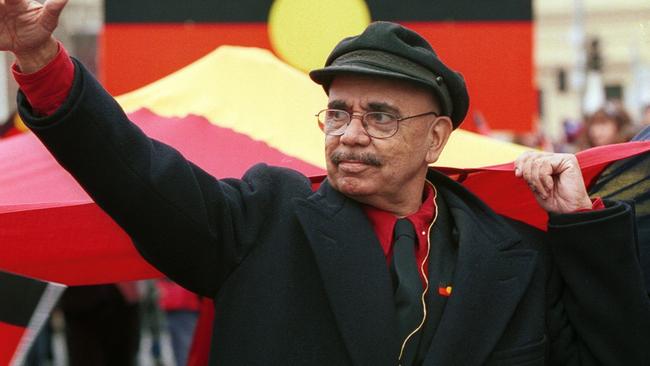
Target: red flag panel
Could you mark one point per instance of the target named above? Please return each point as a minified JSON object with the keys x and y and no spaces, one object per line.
{"x":10,"y":336}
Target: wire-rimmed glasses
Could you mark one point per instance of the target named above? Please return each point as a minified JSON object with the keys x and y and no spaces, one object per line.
{"x":380,"y":125}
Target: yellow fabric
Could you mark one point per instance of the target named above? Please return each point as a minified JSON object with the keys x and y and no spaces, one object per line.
{"x":252,"y":92}
{"x":19,"y":124}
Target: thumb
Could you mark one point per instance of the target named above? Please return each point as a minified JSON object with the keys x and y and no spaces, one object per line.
{"x":51,"y":12}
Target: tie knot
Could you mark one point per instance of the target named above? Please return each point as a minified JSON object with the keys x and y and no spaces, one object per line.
{"x":403,"y":227}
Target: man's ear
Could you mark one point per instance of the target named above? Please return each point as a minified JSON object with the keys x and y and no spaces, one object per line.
{"x":439,"y":133}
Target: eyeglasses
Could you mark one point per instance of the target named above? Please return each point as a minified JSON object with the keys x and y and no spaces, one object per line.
{"x":379,"y":125}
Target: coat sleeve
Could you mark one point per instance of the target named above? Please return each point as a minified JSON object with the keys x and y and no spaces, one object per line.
{"x":189,"y":225}
{"x":599,"y":312}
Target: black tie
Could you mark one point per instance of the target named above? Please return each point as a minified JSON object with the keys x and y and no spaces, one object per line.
{"x":408,"y":290}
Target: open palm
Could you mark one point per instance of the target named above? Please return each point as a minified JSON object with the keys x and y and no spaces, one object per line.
{"x":26,"y":25}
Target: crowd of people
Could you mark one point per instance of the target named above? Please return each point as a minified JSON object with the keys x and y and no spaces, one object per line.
{"x":609,"y":124}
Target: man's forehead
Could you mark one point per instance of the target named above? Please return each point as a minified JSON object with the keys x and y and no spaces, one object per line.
{"x":377,"y":93}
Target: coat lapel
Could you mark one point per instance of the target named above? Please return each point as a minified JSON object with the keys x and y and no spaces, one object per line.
{"x":354,"y":272}
{"x":442,"y":263}
{"x":489,"y":280}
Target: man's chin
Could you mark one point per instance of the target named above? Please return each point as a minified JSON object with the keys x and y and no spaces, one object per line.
{"x":353,"y":187}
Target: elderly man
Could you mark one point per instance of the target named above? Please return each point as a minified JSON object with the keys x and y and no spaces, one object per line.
{"x":388,"y":262}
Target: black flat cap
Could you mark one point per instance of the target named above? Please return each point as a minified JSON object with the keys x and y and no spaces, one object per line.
{"x":390,"y":50}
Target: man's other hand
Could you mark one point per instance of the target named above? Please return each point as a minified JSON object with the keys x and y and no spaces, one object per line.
{"x":26,"y":31}
{"x":555,"y":179}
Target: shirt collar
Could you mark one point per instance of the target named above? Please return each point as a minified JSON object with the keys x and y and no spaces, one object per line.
{"x":383,"y":222}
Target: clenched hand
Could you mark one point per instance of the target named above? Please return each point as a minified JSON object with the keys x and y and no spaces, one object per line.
{"x":555,"y":179}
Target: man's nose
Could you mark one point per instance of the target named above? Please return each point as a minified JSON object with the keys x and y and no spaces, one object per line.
{"x":355,"y":133}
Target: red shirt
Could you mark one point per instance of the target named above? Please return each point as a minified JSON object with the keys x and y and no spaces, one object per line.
{"x":384,"y":223}
{"x":47,"y":88}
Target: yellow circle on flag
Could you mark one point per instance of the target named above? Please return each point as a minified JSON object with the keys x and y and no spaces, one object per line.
{"x":303,"y":32}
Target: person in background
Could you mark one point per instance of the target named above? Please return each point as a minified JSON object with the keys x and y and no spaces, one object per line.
{"x":102,"y":324}
{"x":610,"y":124}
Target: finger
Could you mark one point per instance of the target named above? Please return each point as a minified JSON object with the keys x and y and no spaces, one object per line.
{"x":51,"y":11}
{"x":544,"y":174}
{"x":15,"y":2}
{"x":546,"y":177}
{"x":536,"y":177}
{"x":527,"y":168}
{"x":543,"y":177}
{"x":54,"y":7}
{"x":520,"y":162}
{"x":549,"y":182}
{"x":13,"y":5}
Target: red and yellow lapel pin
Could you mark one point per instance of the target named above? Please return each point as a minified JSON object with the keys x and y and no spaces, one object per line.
{"x":444,"y":291}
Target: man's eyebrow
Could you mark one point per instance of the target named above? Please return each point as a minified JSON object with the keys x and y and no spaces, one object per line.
{"x":371,"y":106}
{"x":337,"y":104}
{"x":383,"y":107}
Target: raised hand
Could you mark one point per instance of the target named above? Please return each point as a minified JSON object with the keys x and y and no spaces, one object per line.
{"x":555,"y":179}
{"x":26,"y":28}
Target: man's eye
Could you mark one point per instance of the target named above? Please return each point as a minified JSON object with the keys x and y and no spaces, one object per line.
{"x":379,"y":118}
{"x":336,"y":115}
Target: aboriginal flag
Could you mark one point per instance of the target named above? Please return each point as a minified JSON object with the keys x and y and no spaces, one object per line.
{"x":25,"y":305}
{"x":489,"y":42}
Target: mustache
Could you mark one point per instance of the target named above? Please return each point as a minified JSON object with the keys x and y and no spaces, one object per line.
{"x":366,"y":158}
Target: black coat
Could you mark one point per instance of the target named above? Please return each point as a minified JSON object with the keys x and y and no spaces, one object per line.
{"x":299,"y":278}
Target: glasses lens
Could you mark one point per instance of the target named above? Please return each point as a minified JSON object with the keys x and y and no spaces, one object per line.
{"x":334,"y":121}
{"x":380,"y":124}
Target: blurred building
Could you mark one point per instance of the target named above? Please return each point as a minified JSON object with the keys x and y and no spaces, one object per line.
{"x":609,"y":38}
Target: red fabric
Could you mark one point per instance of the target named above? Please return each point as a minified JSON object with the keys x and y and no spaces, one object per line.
{"x":126,"y":49}
{"x":384,"y":223}
{"x":200,"y":350}
{"x":47,"y":88}
{"x":50,"y":229}
{"x":74,"y":244}
{"x":10,"y":336}
{"x":508,"y":195}
{"x":596,"y":204}
{"x":173,"y":297}
{"x":503,"y":45}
